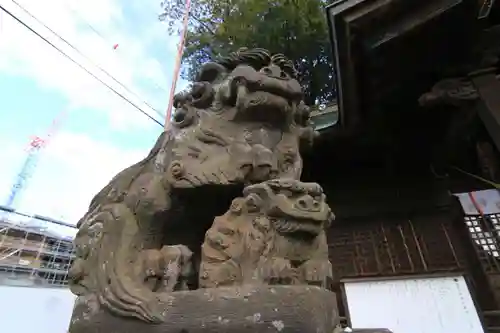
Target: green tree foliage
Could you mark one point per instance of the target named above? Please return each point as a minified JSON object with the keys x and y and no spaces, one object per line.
{"x":296,"y":28}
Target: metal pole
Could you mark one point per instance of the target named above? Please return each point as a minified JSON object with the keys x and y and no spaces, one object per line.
{"x":178,"y":62}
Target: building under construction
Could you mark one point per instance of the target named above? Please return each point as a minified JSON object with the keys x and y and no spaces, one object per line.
{"x":35,"y":254}
{"x":31,"y":252}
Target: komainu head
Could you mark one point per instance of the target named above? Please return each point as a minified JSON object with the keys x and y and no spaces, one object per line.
{"x":290,"y":205}
{"x":249,"y":85}
{"x":240,"y":110}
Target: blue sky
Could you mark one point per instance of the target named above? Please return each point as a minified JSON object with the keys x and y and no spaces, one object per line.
{"x":101,"y":133}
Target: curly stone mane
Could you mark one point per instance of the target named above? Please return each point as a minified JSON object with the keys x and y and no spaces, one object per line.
{"x":257,"y":58}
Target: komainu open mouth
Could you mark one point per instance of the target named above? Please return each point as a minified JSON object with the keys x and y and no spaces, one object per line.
{"x":260,"y":97}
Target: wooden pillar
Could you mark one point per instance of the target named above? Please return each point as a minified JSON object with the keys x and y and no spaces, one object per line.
{"x":488,"y":108}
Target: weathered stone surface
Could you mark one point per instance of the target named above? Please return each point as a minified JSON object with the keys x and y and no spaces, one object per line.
{"x":263,"y":267}
{"x":241,"y":123}
{"x":249,"y":309}
{"x":455,"y":91}
{"x":273,"y":235}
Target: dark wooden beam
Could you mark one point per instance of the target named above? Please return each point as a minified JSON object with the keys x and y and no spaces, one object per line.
{"x":488,"y":108}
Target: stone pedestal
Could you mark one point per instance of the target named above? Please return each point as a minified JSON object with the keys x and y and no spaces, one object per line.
{"x":262,"y":309}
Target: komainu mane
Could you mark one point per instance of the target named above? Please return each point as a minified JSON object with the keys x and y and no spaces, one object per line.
{"x":239,"y":127}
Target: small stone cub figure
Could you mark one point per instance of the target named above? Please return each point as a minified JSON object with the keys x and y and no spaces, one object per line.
{"x":275,"y":234}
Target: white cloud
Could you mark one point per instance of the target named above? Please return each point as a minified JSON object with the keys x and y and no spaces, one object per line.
{"x":23,"y":53}
{"x":72,"y":169}
{"x":75,"y":166}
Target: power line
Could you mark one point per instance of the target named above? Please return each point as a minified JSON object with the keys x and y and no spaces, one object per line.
{"x":86,"y":23}
{"x":101,"y":35}
{"x":79,"y":65}
{"x":87,"y":58}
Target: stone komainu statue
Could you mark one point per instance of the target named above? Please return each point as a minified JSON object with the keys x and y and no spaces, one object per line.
{"x":274,"y":235}
{"x":239,"y":128}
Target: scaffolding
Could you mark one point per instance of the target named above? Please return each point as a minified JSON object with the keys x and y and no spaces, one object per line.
{"x":34,"y":250}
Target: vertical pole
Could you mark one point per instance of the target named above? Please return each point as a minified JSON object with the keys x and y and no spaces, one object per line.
{"x":3,"y":232}
{"x":21,"y":249}
{"x":36,"y":264}
{"x":178,"y":62}
{"x":488,"y":108}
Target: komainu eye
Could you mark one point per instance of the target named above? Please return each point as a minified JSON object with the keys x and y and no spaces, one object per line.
{"x":183,"y":117}
{"x":179,"y":115}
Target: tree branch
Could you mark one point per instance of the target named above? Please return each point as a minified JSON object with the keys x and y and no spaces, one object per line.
{"x":203,"y":24}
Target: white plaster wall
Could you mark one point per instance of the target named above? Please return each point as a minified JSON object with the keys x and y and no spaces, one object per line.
{"x":420,"y":305}
{"x":35,"y":310}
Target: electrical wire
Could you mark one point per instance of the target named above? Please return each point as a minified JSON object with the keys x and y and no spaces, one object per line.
{"x":87,"y":58}
{"x":101,"y":35}
{"x":79,"y":65}
{"x":86,"y":22}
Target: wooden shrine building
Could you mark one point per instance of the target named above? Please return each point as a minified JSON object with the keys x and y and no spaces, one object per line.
{"x":419,"y":121}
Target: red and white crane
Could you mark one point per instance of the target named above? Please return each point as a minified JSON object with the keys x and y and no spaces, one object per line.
{"x":35,"y":146}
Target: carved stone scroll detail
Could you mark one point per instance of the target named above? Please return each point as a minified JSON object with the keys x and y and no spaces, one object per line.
{"x":454,"y":91}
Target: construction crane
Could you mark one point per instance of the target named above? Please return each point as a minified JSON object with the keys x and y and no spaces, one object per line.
{"x":34,"y":148}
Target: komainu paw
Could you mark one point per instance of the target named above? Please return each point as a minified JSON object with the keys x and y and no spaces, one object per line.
{"x":168,"y":269}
